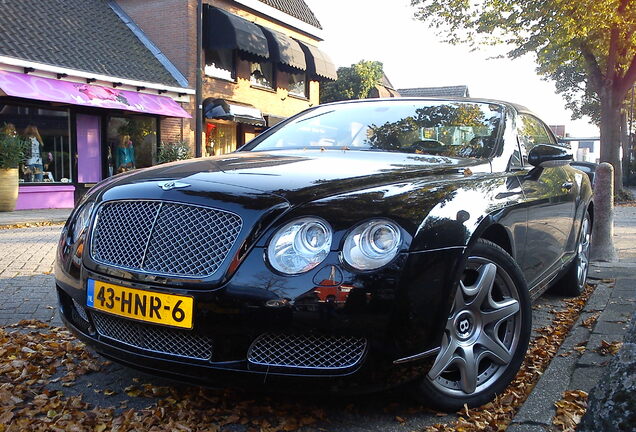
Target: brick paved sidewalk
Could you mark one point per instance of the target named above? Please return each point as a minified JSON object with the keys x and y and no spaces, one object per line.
{"x":26,"y":279}
{"x":21,"y":217}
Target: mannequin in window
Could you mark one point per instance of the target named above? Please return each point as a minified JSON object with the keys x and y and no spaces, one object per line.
{"x":125,"y":154}
{"x":35,"y":148}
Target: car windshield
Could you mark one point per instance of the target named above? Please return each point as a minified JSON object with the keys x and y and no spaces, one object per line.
{"x":446,"y":128}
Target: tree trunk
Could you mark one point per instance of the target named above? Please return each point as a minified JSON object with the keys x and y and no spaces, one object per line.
{"x":611,"y":135}
{"x":625,"y":147}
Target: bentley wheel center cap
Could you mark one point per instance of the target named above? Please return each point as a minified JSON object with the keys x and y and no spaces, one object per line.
{"x":464,"y":325}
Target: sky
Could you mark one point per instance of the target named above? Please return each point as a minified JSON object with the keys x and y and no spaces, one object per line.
{"x":415,"y":56}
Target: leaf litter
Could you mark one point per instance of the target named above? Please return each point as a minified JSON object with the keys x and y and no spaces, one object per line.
{"x":33,"y":356}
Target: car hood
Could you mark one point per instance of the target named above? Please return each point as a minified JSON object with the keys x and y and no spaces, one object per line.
{"x":303,"y":175}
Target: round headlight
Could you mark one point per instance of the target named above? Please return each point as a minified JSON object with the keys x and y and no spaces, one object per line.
{"x":372,"y":244}
{"x":299,"y":246}
{"x":82,"y":219}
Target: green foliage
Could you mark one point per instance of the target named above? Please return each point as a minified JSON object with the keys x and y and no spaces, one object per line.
{"x":353,"y":82}
{"x":12,"y":151}
{"x":173,"y":151}
{"x":583,"y":45}
{"x":137,"y":129}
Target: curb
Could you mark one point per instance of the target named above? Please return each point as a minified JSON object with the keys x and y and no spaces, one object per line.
{"x":570,"y":369}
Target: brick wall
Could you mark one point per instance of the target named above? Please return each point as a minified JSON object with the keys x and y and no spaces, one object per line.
{"x":172,"y":129}
{"x":171,"y":25}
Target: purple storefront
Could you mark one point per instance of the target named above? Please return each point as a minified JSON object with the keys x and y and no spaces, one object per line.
{"x":78,"y":133}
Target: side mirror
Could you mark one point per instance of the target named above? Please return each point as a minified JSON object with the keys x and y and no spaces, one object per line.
{"x":544,"y":156}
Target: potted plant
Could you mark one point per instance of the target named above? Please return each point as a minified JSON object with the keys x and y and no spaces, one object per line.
{"x":173,"y":151}
{"x":12,"y":149}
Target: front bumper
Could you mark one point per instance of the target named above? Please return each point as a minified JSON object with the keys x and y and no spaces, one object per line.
{"x":399,"y":311}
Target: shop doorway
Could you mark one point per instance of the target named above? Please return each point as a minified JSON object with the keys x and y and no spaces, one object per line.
{"x":89,"y":149}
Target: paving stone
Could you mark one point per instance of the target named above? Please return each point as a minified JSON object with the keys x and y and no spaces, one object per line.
{"x":577,"y":335}
{"x":626,"y":285}
{"x":600,"y":298}
{"x":586,"y":378}
{"x":610,"y":328}
{"x":539,"y":407}
{"x":27,"y":252}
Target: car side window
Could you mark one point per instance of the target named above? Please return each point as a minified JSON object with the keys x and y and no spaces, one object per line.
{"x":530,"y":132}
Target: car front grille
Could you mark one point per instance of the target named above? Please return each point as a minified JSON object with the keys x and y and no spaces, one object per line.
{"x":163,"y":237}
{"x":306,"y":351}
{"x":154,"y":338}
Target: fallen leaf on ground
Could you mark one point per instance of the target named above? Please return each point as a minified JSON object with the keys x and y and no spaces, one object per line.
{"x":569,"y":410}
{"x":609,"y":348}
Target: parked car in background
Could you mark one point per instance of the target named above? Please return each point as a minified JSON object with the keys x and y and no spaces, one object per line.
{"x":588,"y":168}
{"x":355,"y":246}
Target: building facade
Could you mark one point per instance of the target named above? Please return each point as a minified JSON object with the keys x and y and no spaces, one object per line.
{"x":260,"y":61}
{"x":102,"y":83}
{"x":87,"y":91}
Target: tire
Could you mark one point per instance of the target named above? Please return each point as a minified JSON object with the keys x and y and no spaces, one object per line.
{"x":573,"y":281}
{"x":486,"y":335}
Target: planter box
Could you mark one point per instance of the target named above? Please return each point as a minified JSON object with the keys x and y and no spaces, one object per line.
{"x":43,"y":197}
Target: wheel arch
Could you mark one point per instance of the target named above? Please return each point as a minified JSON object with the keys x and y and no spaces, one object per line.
{"x":497,"y":234}
{"x":492,"y":229}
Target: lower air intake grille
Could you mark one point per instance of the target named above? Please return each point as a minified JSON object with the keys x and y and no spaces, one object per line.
{"x":307,"y":351}
{"x":79,"y":310}
{"x":154,"y":338}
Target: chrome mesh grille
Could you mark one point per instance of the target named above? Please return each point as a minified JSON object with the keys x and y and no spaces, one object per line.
{"x":307,"y":351}
{"x":154,"y":338}
{"x":164,"y":237}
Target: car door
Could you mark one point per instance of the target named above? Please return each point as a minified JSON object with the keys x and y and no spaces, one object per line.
{"x":550,"y":195}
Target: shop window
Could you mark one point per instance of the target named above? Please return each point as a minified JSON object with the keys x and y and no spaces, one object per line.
{"x":132,"y":143}
{"x":262,"y":74}
{"x":220,"y":138}
{"x":298,"y":84}
{"x":219,"y":64}
{"x":49,"y":158}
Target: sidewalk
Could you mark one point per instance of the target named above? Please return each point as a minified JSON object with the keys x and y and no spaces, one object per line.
{"x":24,"y":217}
{"x":579,"y":364}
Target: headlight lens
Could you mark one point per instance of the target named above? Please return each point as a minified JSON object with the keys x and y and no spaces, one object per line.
{"x":300,"y":245}
{"x":372,"y":244}
{"x":82,"y":219}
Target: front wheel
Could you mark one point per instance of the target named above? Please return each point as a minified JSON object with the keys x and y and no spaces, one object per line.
{"x":486,"y":334}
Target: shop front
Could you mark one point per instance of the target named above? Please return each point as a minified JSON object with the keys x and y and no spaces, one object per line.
{"x":78,"y":134}
{"x":229,"y":125}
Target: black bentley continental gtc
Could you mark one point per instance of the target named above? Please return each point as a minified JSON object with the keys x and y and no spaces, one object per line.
{"x":355,"y":246}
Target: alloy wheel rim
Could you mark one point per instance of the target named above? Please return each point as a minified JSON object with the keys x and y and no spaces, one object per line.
{"x":583,"y":253}
{"x":482,"y":331}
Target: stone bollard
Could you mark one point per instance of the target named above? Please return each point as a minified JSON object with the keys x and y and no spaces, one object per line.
{"x":603,"y":226}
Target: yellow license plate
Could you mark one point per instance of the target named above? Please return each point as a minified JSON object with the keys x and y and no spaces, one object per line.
{"x":167,"y":309}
